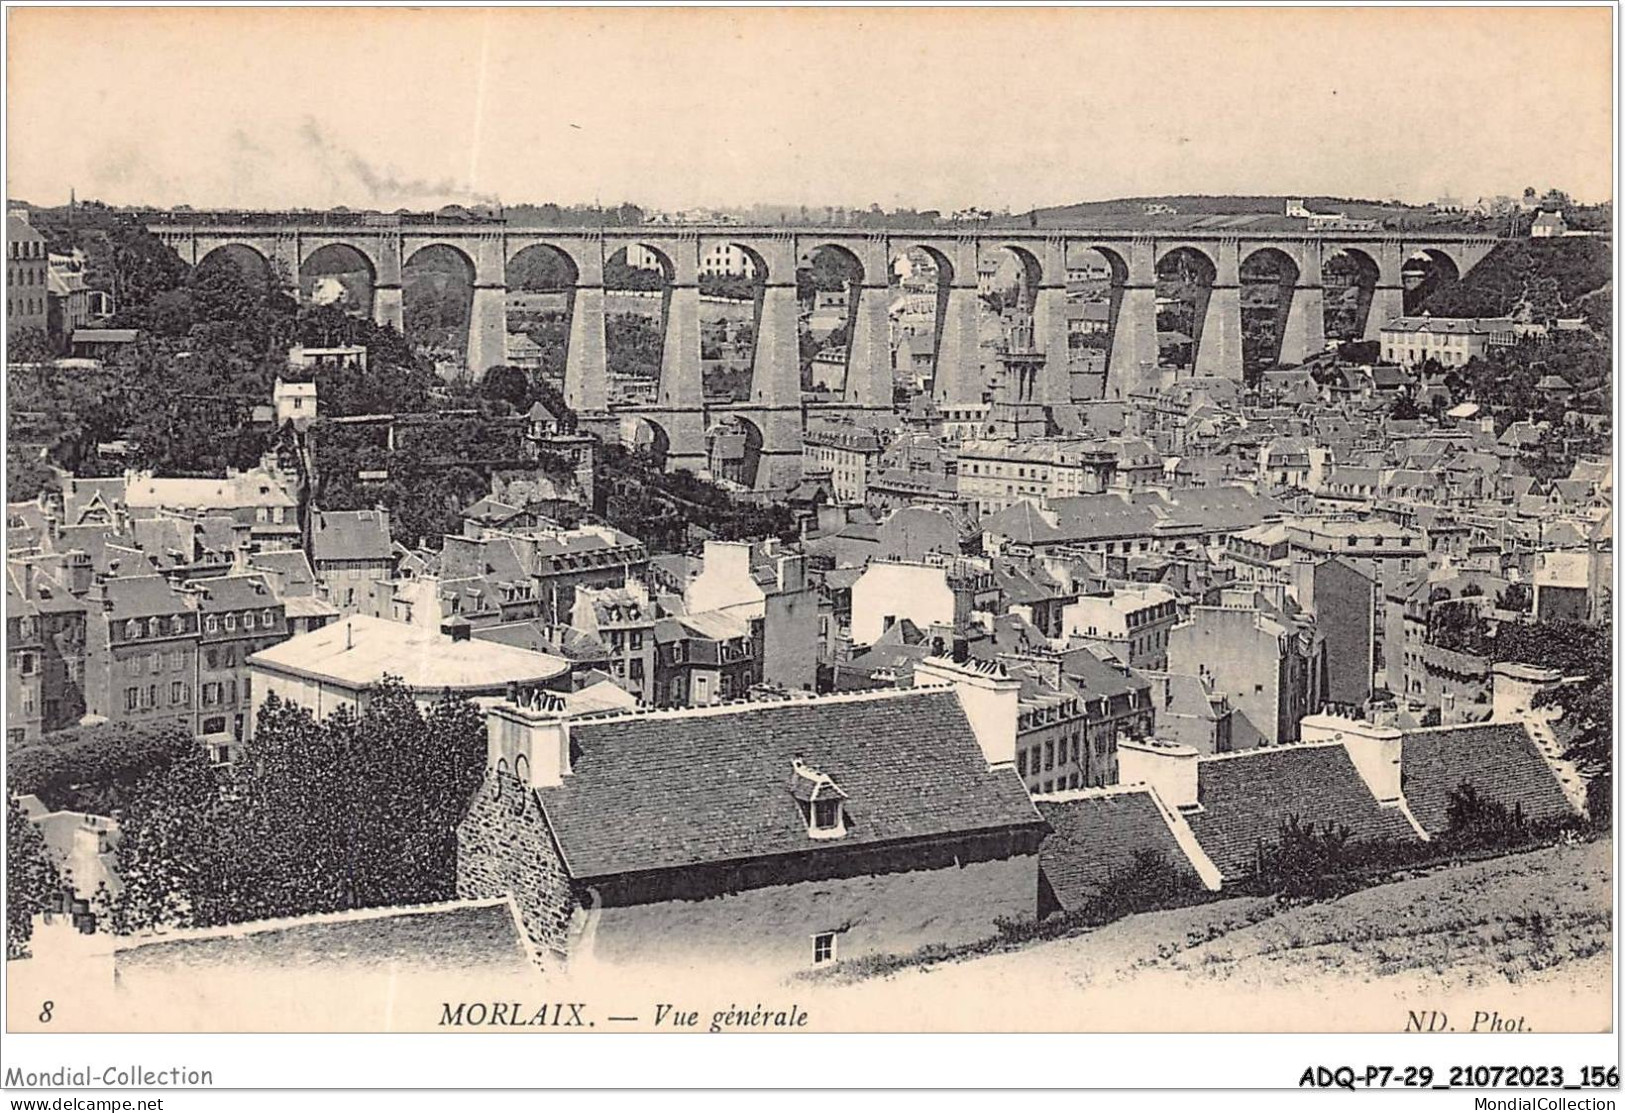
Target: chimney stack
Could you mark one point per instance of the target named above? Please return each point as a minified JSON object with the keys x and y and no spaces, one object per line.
{"x":531,"y":740}
{"x":1170,"y":769}
{"x":1376,"y":751}
{"x":991,"y":699}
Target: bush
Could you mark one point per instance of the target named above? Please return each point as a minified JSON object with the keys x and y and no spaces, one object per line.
{"x":1151,"y":880}
{"x":94,"y":769}
{"x":1477,"y":822}
{"x":1315,"y":862}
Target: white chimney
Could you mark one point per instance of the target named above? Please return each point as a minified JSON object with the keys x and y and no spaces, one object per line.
{"x":529,"y":738}
{"x":1169,"y":768}
{"x":1375,"y":750}
{"x":990,"y":697}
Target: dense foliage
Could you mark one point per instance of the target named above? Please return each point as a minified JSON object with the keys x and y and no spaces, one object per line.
{"x":94,"y":769}
{"x":1549,"y":276}
{"x":353,"y":812}
{"x":1575,"y":649}
{"x":32,"y":879}
{"x":670,"y":512}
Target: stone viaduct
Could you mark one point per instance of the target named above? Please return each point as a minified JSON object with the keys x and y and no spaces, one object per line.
{"x":679,"y":415}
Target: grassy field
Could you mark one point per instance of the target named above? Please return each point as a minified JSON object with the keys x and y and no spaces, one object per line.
{"x":1527,"y":935}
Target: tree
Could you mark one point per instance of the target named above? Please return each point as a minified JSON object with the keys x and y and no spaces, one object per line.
{"x":30,"y":345}
{"x":356,"y":811}
{"x":1475,"y":820}
{"x":94,"y":769}
{"x":180,"y":857}
{"x":32,"y":879}
{"x":27,"y":473}
{"x":1574,"y":649}
{"x":506,"y":384}
{"x":1515,"y":597}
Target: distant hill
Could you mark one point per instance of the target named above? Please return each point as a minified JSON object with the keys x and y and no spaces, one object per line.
{"x":1241,"y":212}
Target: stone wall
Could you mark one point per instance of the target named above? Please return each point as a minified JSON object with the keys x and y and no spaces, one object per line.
{"x":504,"y":847}
{"x":884,"y":900}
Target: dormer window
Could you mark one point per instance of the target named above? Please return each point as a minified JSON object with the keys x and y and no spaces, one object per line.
{"x":823,"y":803}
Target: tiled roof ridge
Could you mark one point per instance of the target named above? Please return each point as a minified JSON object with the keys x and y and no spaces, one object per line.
{"x":1093,"y":792}
{"x":1282,"y":747}
{"x":1480,"y":725}
{"x":734,"y":706}
{"x":351,"y":915}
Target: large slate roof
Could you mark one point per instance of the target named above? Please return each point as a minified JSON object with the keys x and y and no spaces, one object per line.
{"x":1246,"y":798}
{"x":663,"y":791}
{"x":1095,"y":834}
{"x":456,"y":936}
{"x":1498,"y":759}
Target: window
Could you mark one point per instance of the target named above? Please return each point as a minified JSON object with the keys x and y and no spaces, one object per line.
{"x":132,"y":629}
{"x":176,"y":692}
{"x":211,"y":624}
{"x":231,"y":622}
{"x":1021,"y":763}
{"x":132,"y":697}
{"x":267,"y":619}
{"x":826,"y":815}
{"x":823,"y":947}
{"x":248,"y":620}
{"x":155,"y":662}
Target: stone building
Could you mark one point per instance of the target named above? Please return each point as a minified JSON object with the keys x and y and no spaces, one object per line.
{"x":779,"y":835}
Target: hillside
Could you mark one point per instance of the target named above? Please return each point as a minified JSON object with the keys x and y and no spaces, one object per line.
{"x":1553,"y":277}
{"x":1528,"y":933}
{"x":1251,"y":212}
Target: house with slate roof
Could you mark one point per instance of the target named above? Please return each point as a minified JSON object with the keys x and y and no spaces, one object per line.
{"x":351,"y":552}
{"x":1098,"y":834}
{"x":1499,"y":759}
{"x":786,"y":834}
{"x":451,"y":949}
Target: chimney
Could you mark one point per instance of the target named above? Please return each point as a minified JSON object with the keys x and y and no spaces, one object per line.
{"x":727,"y":558}
{"x":792,"y":574}
{"x":529,"y":739}
{"x":991,"y":699}
{"x":1375,"y":750}
{"x":1170,"y":769}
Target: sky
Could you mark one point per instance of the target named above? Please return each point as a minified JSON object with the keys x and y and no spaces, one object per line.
{"x":925,"y":107}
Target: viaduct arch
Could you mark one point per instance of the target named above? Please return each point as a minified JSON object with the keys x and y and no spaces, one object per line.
{"x":774,"y":406}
